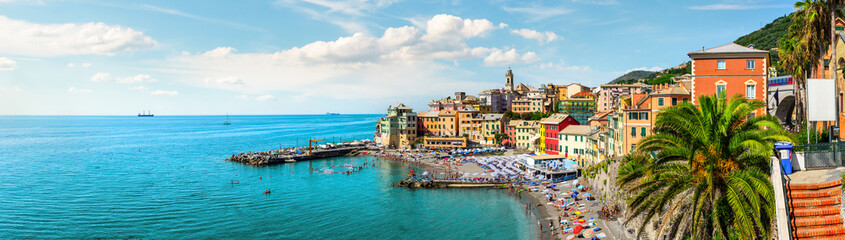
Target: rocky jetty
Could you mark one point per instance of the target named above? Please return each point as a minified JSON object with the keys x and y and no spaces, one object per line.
{"x":410,"y":183}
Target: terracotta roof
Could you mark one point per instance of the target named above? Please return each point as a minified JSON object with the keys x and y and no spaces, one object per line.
{"x":554,"y":119}
{"x":491,"y":116}
{"x":677,"y":90}
{"x":576,"y":130}
{"x":727,"y":48}
{"x":429,"y":114}
{"x":447,"y":113}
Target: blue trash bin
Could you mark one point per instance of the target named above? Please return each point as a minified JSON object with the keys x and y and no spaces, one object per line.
{"x":785,"y":149}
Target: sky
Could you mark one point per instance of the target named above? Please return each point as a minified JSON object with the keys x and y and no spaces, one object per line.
{"x":68,"y":57}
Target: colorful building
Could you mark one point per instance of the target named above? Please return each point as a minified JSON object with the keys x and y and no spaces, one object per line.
{"x":399,"y":128}
{"x":447,"y":123}
{"x":609,"y":94}
{"x":732,"y":69}
{"x":580,"y":106}
{"x":574,"y":144}
{"x":492,"y":124}
{"x":526,"y":132}
{"x":640,"y":116}
{"x":551,"y":126}
{"x":469,"y":124}
{"x":428,"y":123}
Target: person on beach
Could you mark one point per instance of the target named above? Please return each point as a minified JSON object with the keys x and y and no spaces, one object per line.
{"x":540,"y":225}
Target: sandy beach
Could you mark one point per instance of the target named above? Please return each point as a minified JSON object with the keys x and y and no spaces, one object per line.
{"x":535,"y":200}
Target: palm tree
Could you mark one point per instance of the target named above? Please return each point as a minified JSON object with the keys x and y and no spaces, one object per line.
{"x":801,"y":50}
{"x":704,"y":173}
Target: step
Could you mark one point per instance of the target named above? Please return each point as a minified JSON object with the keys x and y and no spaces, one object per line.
{"x":814,"y":202}
{"x":799,"y":194}
{"x":818,"y":211}
{"x":817,"y":220}
{"x":821,"y":231}
{"x":813,"y":186}
{"x":831,"y":237}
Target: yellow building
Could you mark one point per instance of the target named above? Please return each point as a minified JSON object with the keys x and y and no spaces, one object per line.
{"x":527,"y":132}
{"x":447,"y":123}
{"x":444,"y":142}
{"x":492,"y":124}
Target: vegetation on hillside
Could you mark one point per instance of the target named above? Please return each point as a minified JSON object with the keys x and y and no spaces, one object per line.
{"x":767,"y":37}
{"x":663,"y":76}
{"x":632,"y":75}
{"x":703,"y":174}
{"x":526,"y":116}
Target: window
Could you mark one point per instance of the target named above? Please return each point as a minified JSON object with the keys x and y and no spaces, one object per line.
{"x":720,"y":89}
{"x":660,"y":101}
{"x":749,"y":64}
{"x":674,"y":101}
{"x":633,"y":131}
{"x":749,"y":91}
{"x":642,"y":131}
{"x":720,"y":64}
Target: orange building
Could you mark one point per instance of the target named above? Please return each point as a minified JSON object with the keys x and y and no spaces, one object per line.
{"x":641,"y":115}
{"x":428,"y":123}
{"x":730,"y":68}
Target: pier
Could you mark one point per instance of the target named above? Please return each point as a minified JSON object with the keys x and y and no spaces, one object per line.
{"x":272,"y":157}
{"x":426,"y":183}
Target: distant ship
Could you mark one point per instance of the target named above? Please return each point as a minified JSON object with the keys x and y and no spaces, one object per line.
{"x":331,"y":113}
{"x":227,"y":120}
{"x":146,"y":114}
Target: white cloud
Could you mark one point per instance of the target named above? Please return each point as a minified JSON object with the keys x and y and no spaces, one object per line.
{"x":544,"y":37}
{"x":7,"y":64}
{"x":220,"y":52}
{"x":650,"y":69}
{"x":78,"y":90}
{"x":232,"y":81}
{"x":505,"y":58}
{"x":736,"y":7}
{"x":33,"y":39}
{"x":358,"y":66}
{"x":267,"y":97}
{"x":561,"y":66}
{"x":136,"y":79}
{"x":139,"y":88}
{"x":538,"y":13}
{"x":101,"y":77}
{"x":164,"y":92}
{"x":85,"y":65}
{"x":106,"y":77}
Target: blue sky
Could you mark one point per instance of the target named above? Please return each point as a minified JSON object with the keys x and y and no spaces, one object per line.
{"x":316,"y":56}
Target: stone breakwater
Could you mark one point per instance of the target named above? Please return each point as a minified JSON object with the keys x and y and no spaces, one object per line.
{"x":427,"y":183}
{"x":276,"y":157}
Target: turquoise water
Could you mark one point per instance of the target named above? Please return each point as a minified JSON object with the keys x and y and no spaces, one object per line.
{"x":165,"y":178}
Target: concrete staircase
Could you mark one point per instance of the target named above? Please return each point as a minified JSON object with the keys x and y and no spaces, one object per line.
{"x":814,"y":210}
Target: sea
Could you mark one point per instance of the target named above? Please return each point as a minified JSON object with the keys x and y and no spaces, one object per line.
{"x":164,"y":177}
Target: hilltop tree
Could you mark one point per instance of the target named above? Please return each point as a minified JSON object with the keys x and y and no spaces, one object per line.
{"x":802,"y":47}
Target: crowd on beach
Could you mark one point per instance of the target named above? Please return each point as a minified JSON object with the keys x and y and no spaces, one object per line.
{"x":571,"y":209}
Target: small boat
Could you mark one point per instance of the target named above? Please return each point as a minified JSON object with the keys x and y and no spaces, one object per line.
{"x":331,"y":113}
{"x":227,"y":120}
{"x":145,"y":114}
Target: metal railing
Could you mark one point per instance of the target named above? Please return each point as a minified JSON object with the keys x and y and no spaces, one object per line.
{"x":823,"y":155}
{"x":784,"y":179}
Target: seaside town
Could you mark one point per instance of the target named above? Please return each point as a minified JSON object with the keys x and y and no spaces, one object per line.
{"x":386,"y":119}
{"x":558,"y":140}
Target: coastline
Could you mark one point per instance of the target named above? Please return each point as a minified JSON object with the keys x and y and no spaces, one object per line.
{"x":540,"y":214}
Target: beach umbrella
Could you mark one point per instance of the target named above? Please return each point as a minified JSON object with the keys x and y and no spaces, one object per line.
{"x":578,"y":229}
{"x":570,"y":237}
{"x":554,"y":185}
{"x":425,"y":173}
{"x":588,"y":233}
{"x":442,"y":173}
